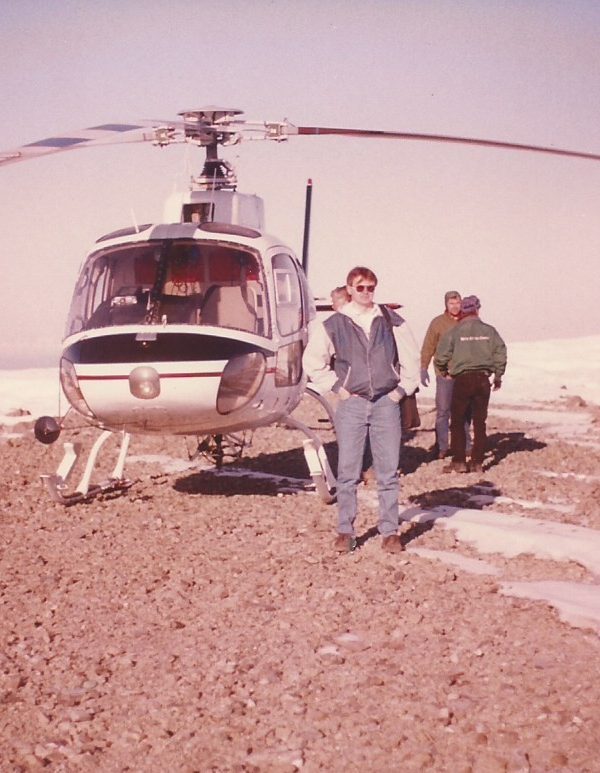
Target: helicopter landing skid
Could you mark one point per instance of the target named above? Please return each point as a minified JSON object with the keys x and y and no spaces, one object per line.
{"x":57,"y":484}
{"x":316,"y":459}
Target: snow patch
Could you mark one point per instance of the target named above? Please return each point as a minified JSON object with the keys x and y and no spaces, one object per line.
{"x":576,"y":603}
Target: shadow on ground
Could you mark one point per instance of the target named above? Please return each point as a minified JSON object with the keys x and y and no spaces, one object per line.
{"x":502,"y":444}
{"x":458,"y":496}
{"x":413,"y":532}
{"x":412,"y":457}
{"x":234,"y":483}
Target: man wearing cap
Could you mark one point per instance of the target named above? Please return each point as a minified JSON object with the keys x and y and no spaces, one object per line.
{"x":471,"y":353}
{"x":438,"y":327}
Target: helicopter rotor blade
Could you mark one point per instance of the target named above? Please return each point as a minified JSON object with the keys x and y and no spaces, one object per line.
{"x":220,"y":126}
{"x":105,"y":134}
{"x":223,"y":130}
{"x":375,"y":134}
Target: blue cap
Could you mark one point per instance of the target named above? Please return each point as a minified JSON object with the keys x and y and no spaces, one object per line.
{"x":470,"y":304}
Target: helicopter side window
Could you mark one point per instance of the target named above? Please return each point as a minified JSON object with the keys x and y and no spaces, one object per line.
{"x":77,"y":316}
{"x":288,"y":296}
{"x":98,"y":312}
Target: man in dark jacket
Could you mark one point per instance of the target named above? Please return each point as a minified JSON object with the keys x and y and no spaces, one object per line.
{"x":472,"y":352}
{"x":376,"y":363}
{"x":438,"y":327}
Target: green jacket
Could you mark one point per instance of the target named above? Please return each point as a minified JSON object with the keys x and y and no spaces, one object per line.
{"x":438,"y":327}
{"x":471,"y":345}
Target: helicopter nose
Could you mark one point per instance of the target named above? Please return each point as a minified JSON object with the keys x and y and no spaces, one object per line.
{"x":144,"y":382}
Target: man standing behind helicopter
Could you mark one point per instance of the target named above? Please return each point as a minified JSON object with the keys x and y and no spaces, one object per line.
{"x":471,"y":353}
{"x":376,"y":363}
{"x":438,"y":327}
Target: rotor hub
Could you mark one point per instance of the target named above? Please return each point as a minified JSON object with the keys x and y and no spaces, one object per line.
{"x":210,"y":127}
{"x":209,"y":124}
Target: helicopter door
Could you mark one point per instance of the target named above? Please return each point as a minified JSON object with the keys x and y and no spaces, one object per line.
{"x":288,"y":295}
{"x":290,"y":316}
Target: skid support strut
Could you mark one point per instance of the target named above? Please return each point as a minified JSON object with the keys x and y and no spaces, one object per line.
{"x":57,"y":484}
{"x":316,"y":459}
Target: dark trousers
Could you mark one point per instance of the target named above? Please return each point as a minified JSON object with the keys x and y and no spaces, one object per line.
{"x":471,"y":393}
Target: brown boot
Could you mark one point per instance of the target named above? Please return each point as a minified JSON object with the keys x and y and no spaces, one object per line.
{"x":392,"y":544}
{"x":475,"y":466}
{"x":344,"y":543}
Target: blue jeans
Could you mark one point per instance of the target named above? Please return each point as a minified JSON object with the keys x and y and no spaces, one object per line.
{"x":355,"y":419}
{"x":443,"y":404}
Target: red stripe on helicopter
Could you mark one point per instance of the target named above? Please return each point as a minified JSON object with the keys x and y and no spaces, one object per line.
{"x":218,"y":374}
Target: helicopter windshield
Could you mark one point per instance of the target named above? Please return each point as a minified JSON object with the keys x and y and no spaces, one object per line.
{"x":171,"y":282}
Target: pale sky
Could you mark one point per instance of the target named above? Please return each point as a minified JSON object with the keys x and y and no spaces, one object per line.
{"x":522,"y":231}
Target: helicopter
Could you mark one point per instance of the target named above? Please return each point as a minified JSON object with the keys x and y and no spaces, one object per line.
{"x":196,"y":325}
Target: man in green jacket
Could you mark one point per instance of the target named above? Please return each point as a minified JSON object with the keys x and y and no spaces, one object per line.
{"x":471,"y":353}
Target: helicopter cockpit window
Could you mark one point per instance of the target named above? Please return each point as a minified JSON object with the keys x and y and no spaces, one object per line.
{"x":171,"y":282}
{"x":288,"y":295}
{"x":121,"y":294}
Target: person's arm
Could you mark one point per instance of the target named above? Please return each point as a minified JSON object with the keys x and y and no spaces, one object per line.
{"x":444,"y":351}
{"x":316,"y":359}
{"x":499,"y":359}
{"x":429,"y":345}
{"x":408,"y":357}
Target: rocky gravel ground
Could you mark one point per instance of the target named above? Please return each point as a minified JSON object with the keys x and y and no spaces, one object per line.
{"x":201,"y":621}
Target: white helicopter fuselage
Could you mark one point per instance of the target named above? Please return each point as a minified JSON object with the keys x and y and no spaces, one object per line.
{"x":187,"y":329}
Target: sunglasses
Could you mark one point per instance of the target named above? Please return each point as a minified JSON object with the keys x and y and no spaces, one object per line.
{"x":363,"y":288}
